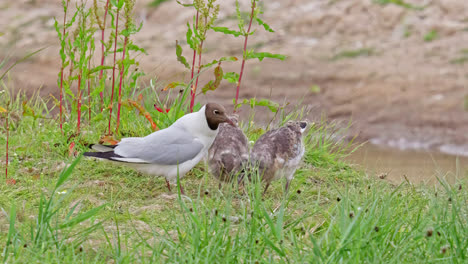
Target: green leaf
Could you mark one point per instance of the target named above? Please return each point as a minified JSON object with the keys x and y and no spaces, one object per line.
{"x":189,"y":36}
{"x":21,"y":60}
{"x":240,"y":21}
{"x":261,"y":55}
{"x":213,"y":85}
{"x":82,"y":217}
{"x":173,"y":85}
{"x":218,"y":61}
{"x":274,"y":107}
{"x":11,"y":229}
{"x":67,"y":172}
{"x":227,"y":31}
{"x":265,"y":25}
{"x":134,"y":47}
{"x":117,"y":3}
{"x":182,"y":4}
{"x":232,"y":77}
{"x":99,"y":68}
{"x":181,"y":58}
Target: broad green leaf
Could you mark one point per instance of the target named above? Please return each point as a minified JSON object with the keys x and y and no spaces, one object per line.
{"x":181,"y":58}
{"x":218,"y":61}
{"x":232,"y":77}
{"x":265,"y":25}
{"x":261,"y":55}
{"x":213,"y":85}
{"x":134,"y":47}
{"x":99,"y":68}
{"x":117,"y":3}
{"x":227,"y":31}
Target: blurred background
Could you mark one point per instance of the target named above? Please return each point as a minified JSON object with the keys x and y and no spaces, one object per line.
{"x":399,"y":73}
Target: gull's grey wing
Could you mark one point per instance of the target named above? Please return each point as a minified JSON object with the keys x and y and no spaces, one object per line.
{"x":169,"y":146}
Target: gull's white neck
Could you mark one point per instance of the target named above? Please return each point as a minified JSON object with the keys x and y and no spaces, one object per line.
{"x":197,"y":124}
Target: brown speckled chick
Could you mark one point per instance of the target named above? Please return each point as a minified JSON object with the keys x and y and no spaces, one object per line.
{"x":229,"y":152}
{"x":278,"y":152}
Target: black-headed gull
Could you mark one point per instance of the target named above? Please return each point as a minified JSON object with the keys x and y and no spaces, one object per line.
{"x":229,"y":152}
{"x":172,"y":151}
{"x":278,"y":153}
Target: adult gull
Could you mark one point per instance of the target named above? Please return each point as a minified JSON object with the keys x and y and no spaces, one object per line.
{"x":172,"y":151}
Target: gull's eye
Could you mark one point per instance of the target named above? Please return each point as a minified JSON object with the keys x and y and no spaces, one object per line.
{"x":216,"y":112}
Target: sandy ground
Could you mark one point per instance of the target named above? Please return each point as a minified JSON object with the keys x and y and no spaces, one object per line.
{"x":405,"y":92}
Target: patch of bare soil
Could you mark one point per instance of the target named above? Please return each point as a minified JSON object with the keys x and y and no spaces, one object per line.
{"x":392,"y":71}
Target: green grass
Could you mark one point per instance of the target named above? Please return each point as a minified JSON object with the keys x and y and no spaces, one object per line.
{"x":431,"y":35}
{"x":100,"y":213}
{"x":156,"y":3}
{"x":364,"y":52}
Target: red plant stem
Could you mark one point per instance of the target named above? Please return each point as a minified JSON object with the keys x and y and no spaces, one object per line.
{"x":244,"y":55}
{"x":7,"y":138}
{"x":192,"y":92}
{"x":89,"y":94}
{"x":61,"y":71}
{"x":103,"y":52}
{"x":120,"y":86}
{"x":78,"y":124}
{"x":61,"y":98}
{"x":113,"y":70}
{"x":192,"y":101}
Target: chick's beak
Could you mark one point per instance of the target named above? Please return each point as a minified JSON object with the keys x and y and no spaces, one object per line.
{"x":229,"y":121}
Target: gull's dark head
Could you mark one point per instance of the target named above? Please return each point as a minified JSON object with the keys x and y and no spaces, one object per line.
{"x":215,"y":115}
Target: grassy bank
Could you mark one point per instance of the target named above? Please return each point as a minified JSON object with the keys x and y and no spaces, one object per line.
{"x":99,"y":213}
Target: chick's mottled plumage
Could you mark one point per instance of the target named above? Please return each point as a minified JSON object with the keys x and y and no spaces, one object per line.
{"x":228,"y":153}
{"x":278,"y":152}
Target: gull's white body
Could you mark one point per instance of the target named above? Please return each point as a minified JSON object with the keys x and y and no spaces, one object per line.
{"x":189,"y":134}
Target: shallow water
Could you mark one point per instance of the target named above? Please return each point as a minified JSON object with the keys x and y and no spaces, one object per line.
{"x":417,"y":166}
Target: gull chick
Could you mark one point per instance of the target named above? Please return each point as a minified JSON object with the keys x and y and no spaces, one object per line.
{"x":229,"y":152}
{"x":172,"y":151}
{"x":278,"y":153}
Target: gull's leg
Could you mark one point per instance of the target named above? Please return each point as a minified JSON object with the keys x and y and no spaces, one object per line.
{"x":286,"y":188}
{"x":288,"y":181}
{"x":266,"y":187}
{"x":168,"y":185}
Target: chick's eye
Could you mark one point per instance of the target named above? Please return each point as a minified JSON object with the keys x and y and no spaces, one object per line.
{"x":216,"y":112}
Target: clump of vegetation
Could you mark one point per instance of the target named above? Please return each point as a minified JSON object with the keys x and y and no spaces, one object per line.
{"x":364,"y":52}
{"x":204,"y":20}
{"x":431,"y":35}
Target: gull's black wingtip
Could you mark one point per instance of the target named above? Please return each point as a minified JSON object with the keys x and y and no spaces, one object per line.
{"x":109,"y":155}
